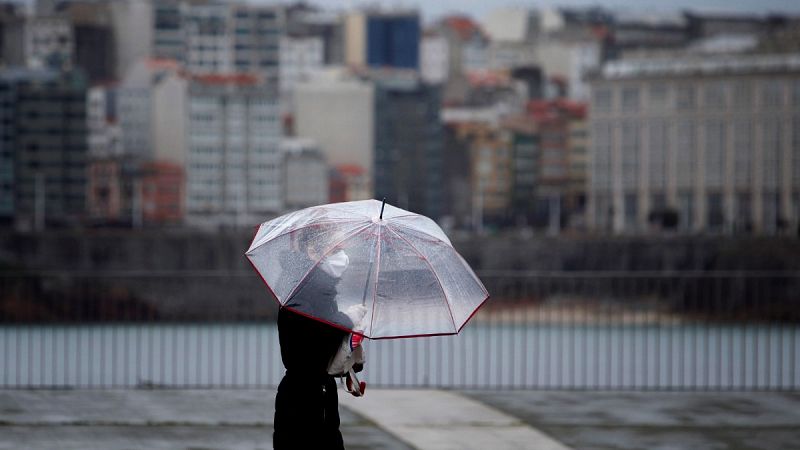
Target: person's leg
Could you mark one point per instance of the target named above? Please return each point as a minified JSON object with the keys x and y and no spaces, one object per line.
{"x":332,"y":421}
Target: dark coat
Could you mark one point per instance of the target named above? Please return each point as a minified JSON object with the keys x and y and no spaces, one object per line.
{"x":307,"y":404}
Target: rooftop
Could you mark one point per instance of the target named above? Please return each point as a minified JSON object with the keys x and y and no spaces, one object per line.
{"x":701,"y":65}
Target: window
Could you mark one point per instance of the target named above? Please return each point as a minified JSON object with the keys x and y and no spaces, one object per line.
{"x":601,"y":156}
{"x":714,"y":97}
{"x":743,"y":153}
{"x":686,"y":98}
{"x":659,"y":147}
{"x":630,"y":99}
{"x":771,"y":134}
{"x":685,"y":151}
{"x":602,"y":100}
{"x":771,"y":93}
{"x":658,"y":96}
{"x":715,"y":153}
{"x":630,"y":154}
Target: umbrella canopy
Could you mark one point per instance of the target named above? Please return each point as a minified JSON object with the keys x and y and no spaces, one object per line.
{"x":379,"y":273}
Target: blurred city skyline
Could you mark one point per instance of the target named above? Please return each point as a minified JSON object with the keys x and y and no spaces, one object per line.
{"x":477,"y":8}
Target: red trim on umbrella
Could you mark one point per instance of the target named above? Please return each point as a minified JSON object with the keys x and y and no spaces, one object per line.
{"x":473,"y":313}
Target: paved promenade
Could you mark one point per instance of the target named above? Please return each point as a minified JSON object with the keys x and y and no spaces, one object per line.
{"x":404,"y":419}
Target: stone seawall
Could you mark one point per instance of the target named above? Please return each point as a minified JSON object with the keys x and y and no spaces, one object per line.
{"x":103,"y":275}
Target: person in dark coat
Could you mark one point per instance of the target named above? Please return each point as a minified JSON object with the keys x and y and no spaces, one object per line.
{"x":307,"y":404}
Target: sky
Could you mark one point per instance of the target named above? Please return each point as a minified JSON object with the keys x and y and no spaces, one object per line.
{"x":477,"y":8}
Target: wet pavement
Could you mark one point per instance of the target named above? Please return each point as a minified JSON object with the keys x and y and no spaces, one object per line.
{"x":657,"y":420}
{"x":156,"y":419}
{"x":242,"y":419}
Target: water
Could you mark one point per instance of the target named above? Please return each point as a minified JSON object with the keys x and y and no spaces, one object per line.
{"x":580,"y":356}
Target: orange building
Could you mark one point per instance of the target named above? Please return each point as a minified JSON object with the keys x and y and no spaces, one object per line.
{"x":162,"y":193}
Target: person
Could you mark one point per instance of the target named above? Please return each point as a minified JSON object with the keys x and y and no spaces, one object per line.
{"x":307,"y":404}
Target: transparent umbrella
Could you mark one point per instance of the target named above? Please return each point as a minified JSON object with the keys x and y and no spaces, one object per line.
{"x":373,"y":269}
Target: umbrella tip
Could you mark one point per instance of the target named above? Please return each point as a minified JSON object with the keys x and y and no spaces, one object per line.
{"x":382,"y":205}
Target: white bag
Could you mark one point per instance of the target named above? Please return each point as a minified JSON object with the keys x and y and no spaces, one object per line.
{"x":350,"y":353}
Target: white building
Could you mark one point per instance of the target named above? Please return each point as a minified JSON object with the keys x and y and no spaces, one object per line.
{"x":143,"y":113}
{"x":336,"y":110}
{"x":569,"y":60}
{"x":233,"y":163}
{"x":300,"y":57}
{"x":211,"y":37}
{"x":715,"y":139}
{"x":104,"y":136}
{"x":305,"y":174}
{"x":434,"y":56}
{"x":37,"y":42}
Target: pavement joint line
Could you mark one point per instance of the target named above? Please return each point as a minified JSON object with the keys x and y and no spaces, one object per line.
{"x":439,"y":419}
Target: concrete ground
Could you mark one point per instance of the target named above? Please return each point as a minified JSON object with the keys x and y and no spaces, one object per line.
{"x":657,"y":420}
{"x":403,"y":419}
{"x":157,"y":419}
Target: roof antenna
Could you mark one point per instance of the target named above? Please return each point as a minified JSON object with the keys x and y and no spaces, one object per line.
{"x":382,"y":205}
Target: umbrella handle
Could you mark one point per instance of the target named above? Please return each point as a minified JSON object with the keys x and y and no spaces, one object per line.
{"x":353,"y":385}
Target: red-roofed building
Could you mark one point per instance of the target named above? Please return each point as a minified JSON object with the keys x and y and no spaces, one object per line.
{"x":349,"y":182}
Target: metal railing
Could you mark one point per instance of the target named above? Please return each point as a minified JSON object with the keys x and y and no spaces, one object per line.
{"x":540,"y":330}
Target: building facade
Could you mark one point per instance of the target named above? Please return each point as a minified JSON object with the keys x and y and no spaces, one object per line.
{"x":233,"y":163}
{"x":305,"y":174}
{"x":300,"y":58}
{"x":336,"y":110}
{"x":409,"y":143}
{"x":383,"y":39}
{"x":715,"y":139}
{"x":44,"y":134}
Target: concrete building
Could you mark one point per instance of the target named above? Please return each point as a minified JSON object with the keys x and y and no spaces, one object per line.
{"x":300,"y":58}
{"x":303,"y":19}
{"x":349,"y":182}
{"x":512,"y":32}
{"x":104,"y":133}
{"x":454,"y":46}
{"x":44,"y":134}
{"x":569,"y":59}
{"x":382,"y":39}
{"x":434,"y":57}
{"x":305,"y":174}
{"x":233,"y":164}
{"x":525,"y":151}
{"x":491,"y":174}
{"x":409,"y":143}
{"x":560,"y":194}
{"x":38,"y":41}
{"x":110,"y":36}
{"x":336,"y":110}
{"x":163,"y":196}
{"x":219,"y":37}
{"x":151,"y":110}
{"x":713,"y":138}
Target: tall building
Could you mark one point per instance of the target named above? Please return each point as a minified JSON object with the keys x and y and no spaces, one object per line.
{"x":561,"y":173}
{"x":525,"y":152}
{"x":44,"y":134}
{"x":715,"y":139}
{"x":382,"y":39}
{"x":233,"y":164}
{"x":409,"y":142}
{"x":454,"y":46}
{"x":300,"y":58}
{"x":150,"y":105}
{"x":37,"y":41}
{"x":219,"y":37}
{"x":336,"y":109}
{"x":303,"y":19}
